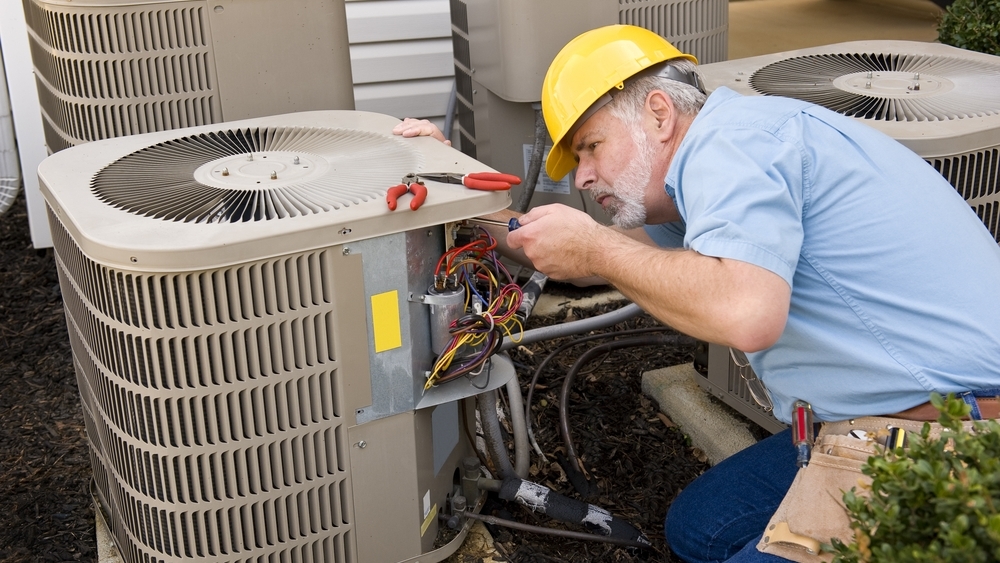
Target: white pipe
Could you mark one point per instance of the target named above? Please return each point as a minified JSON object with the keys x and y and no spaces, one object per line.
{"x":575,"y":327}
{"x":10,"y":170}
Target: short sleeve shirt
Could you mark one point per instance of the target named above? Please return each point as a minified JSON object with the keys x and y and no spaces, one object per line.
{"x":892,"y":274}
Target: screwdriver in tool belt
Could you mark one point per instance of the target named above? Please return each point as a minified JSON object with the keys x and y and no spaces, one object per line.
{"x":511,"y":225}
{"x":802,"y":432}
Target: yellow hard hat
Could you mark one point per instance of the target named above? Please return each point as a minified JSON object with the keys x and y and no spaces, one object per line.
{"x":586,"y":69}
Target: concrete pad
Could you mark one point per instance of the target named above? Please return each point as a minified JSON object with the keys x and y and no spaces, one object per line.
{"x":106,"y":550}
{"x":711,"y":428}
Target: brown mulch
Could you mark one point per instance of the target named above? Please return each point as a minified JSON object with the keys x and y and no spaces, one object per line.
{"x":638,"y":461}
{"x":45,"y":508}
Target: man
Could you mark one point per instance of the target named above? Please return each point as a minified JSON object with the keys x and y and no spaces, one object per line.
{"x":850,"y":272}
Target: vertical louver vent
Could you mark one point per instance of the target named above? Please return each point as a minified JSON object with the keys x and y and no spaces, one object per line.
{"x":699,"y":27}
{"x":977,"y":177}
{"x":255,"y":174}
{"x":123,"y":70}
{"x":887,"y":87}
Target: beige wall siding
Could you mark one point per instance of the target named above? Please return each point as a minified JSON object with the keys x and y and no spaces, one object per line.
{"x":401,"y":56}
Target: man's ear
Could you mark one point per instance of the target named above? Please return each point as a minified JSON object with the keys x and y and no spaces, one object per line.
{"x":661,"y":108}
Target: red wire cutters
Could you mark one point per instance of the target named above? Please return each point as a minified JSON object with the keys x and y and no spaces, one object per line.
{"x":488,"y":181}
{"x":410,"y":185}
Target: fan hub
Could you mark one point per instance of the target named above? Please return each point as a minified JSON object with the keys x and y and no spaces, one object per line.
{"x":263,"y":169}
{"x":893,"y":84}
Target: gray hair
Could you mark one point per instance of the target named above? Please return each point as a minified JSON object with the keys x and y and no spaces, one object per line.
{"x":627,"y":104}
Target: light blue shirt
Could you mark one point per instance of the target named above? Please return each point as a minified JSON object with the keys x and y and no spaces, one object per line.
{"x":894,"y":279}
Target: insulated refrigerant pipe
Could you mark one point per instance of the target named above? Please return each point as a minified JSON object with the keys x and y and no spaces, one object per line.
{"x":487,"y":404}
{"x":539,"y":498}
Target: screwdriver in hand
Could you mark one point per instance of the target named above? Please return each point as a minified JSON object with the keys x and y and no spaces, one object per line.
{"x":511,"y":225}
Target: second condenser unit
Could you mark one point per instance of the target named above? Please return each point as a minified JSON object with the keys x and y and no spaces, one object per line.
{"x":106,"y":68}
{"x":503,"y":48}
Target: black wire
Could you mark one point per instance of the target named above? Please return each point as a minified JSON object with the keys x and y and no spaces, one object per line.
{"x":489,"y":371}
{"x":541,"y":367}
{"x":649,"y":340}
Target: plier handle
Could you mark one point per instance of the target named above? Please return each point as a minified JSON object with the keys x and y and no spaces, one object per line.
{"x":410,"y":184}
{"x":488,"y":181}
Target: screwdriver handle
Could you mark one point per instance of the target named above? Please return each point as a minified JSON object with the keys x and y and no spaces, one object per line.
{"x":802,"y":432}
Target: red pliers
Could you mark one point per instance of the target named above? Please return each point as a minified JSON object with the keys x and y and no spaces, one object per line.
{"x":410,"y":184}
{"x":488,"y":181}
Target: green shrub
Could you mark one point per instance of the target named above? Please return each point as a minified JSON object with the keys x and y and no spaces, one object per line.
{"x":972,"y":25}
{"x":937,"y":500}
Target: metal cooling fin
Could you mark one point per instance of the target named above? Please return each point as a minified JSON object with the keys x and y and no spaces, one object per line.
{"x":254,"y":174}
{"x":886,"y":87}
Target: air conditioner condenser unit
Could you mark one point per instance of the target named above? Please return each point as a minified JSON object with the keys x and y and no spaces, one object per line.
{"x":107,"y":68}
{"x":251,"y":332}
{"x":939,"y":101}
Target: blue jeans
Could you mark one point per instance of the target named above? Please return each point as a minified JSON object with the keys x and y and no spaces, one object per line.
{"x":722,"y":514}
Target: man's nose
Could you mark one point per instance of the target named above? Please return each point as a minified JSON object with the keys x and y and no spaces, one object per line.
{"x":585,"y":176}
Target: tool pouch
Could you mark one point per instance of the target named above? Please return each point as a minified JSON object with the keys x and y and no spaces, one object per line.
{"x":813,"y":510}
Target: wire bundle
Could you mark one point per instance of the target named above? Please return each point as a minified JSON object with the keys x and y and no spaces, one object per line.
{"x":492,"y":300}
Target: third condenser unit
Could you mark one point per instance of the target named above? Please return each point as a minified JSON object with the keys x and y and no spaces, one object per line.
{"x":940,"y":101}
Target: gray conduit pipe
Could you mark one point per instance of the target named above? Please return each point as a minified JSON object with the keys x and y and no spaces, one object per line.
{"x":520,"y":428}
{"x":534,"y":163}
{"x":575,"y":327}
{"x":449,"y":113}
{"x":10,"y":169}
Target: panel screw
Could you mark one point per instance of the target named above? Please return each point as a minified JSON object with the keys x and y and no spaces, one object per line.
{"x":362,"y":444}
{"x":225,"y":172}
{"x":347,"y":251}
{"x":274,"y":175}
{"x":295,"y":160}
{"x":249,"y":157}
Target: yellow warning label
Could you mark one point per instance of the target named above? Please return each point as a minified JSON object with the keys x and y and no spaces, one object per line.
{"x":385,"y":321}
{"x":430,"y":518}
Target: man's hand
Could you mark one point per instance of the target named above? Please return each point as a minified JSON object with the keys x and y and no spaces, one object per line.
{"x":411,"y":127}
{"x":559,"y":241}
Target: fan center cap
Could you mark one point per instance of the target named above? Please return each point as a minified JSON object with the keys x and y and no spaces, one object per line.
{"x":261,"y":170}
{"x":893,"y":84}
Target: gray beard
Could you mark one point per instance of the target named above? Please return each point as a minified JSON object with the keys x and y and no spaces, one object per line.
{"x":629,"y":211}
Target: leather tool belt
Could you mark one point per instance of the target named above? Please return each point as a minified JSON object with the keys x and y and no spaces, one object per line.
{"x":813,"y":510}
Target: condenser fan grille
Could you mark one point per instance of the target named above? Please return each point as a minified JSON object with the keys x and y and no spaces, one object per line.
{"x":255,"y":174}
{"x":886,"y":87}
